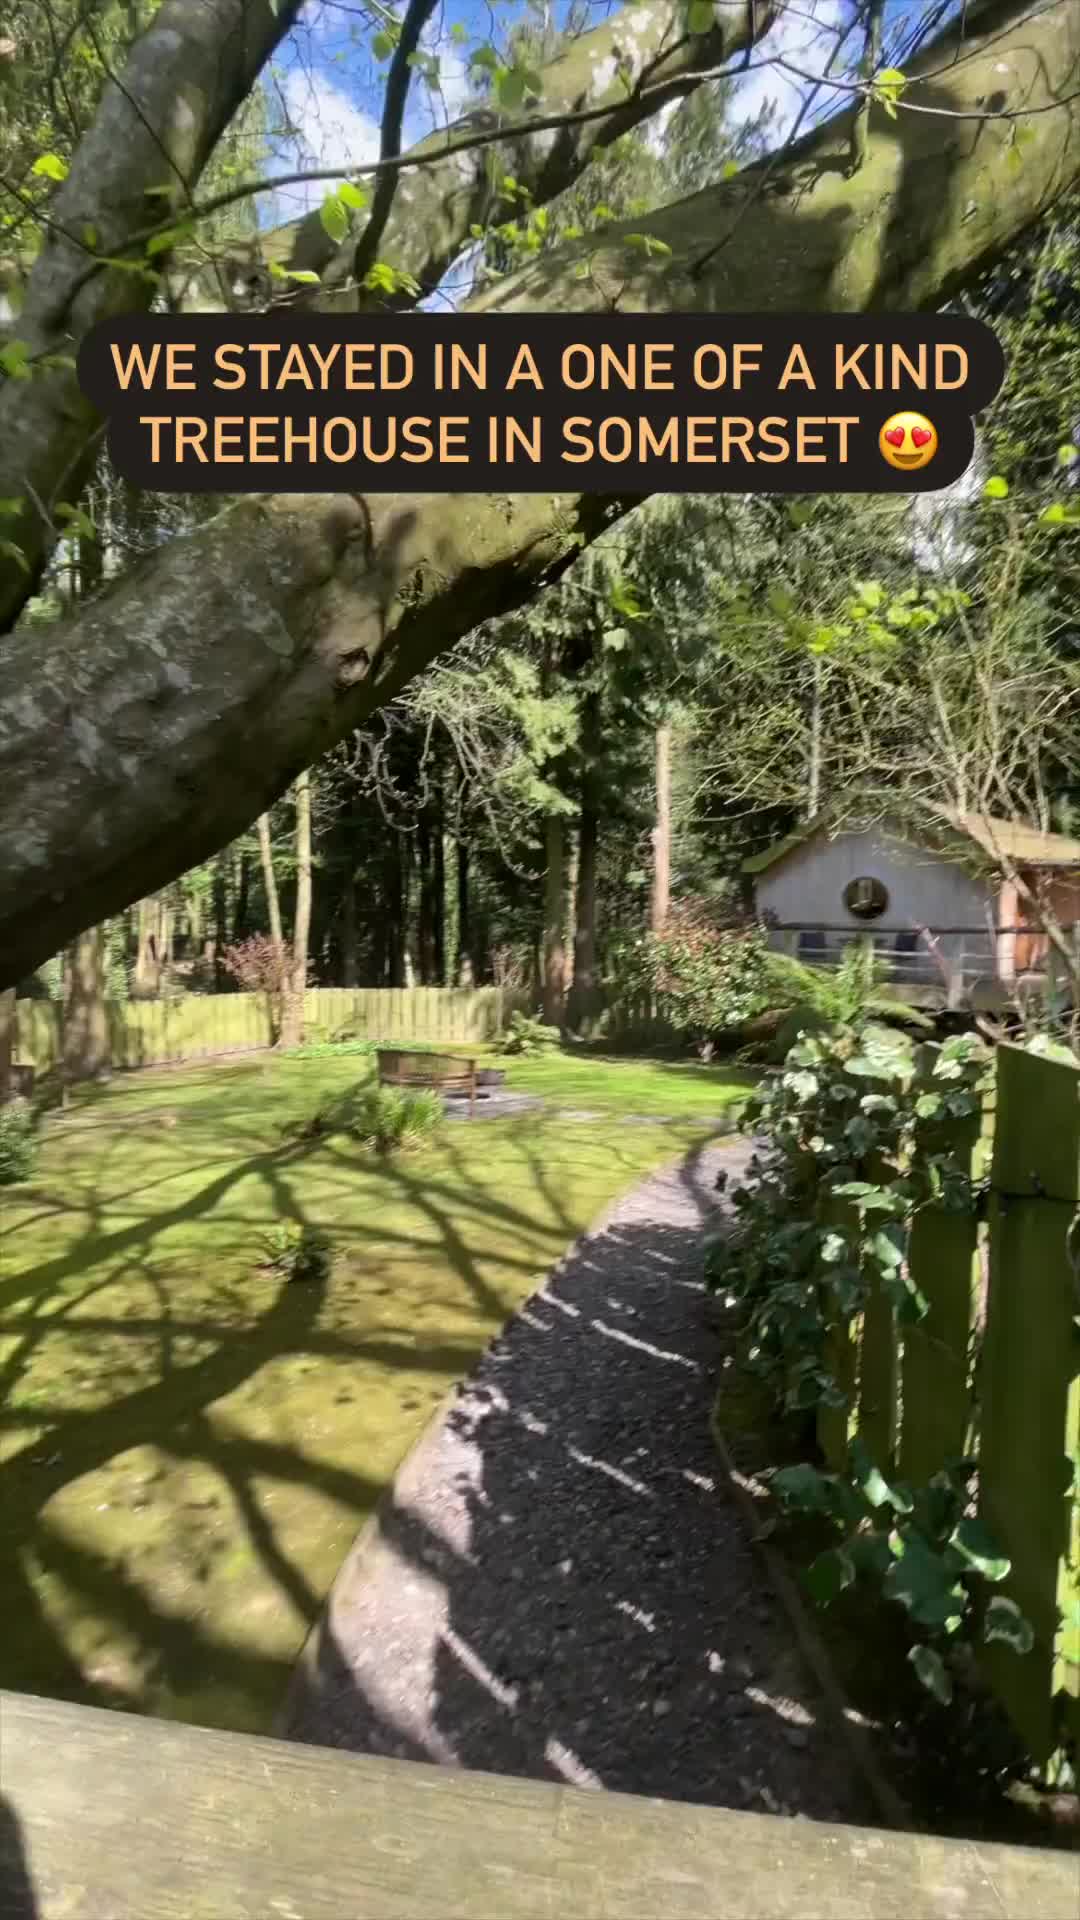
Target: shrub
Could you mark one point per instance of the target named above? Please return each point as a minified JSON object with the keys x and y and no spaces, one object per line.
{"x":707,"y":978}
{"x":859,"y":1132}
{"x":391,"y":1119}
{"x":262,"y":965}
{"x":18,"y":1142}
{"x":299,"y":1252}
{"x":530,"y":1036}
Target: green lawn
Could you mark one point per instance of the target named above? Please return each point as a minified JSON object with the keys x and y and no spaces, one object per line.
{"x":188,"y":1444}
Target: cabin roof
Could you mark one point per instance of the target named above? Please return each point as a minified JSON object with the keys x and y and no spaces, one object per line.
{"x":1023,"y":845}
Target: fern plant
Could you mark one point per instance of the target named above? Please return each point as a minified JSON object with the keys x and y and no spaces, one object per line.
{"x":843,"y":996}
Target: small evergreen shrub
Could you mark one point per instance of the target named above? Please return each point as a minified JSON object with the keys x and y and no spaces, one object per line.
{"x":392,"y":1119}
{"x":299,"y":1252}
{"x":18,"y":1142}
{"x":531,"y":1037}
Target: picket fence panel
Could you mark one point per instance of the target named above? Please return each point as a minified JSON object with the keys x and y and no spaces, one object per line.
{"x":915,"y":1404}
{"x":198,"y":1026}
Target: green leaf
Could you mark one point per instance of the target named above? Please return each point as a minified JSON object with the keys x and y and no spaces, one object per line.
{"x":879,"y":1493}
{"x":920,"y":1581}
{"x":334,"y":217}
{"x":14,"y":360}
{"x":1066,"y":454}
{"x":828,"y":1575}
{"x":510,"y":88}
{"x":51,"y":165}
{"x":700,"y":16}
{"x":803,"y":1487}
{"x":974,"y":1543}
{"x":168,"y":237}
{"x":382,"y":46}
{"x":933,"y":1673}
{"x":996,"y":488}
{"x":352,"y":196}
{"x":729,"y":169}
{"x":1004,"y":1621}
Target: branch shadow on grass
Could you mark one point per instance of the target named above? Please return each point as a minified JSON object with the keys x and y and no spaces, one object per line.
{"x":47,"y":1449}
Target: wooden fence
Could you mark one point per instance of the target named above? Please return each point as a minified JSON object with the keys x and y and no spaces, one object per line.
{"x":109,"y":1816}
{"x":146,"y":1032}
{"x":914,"y":1401}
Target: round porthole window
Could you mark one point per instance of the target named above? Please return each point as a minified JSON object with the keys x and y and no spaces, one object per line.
{"x":866,"y":897}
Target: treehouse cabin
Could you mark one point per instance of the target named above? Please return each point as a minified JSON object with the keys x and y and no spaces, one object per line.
{"x":959,"y":912}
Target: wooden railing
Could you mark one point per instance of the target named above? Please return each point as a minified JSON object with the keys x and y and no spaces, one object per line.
{"x":946,"y":963}
{"x":915,"y":1404}
{"x":108,"y":1816}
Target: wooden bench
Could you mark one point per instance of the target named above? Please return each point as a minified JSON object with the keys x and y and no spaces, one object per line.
{"x":110,"y":1816}
{"x":444,"y":1072}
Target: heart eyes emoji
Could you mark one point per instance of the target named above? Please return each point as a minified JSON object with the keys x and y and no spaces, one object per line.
{"x":908,"y":441}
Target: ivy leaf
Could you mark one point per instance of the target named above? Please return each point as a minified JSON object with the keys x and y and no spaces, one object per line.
{"x":933,"y":1673}
{"x":974,"y":1543}
{"x":877,"y":1490}
{"x":1004,"y":1621}
{"x":51,"y":166}
{"x":803,"y":1487}
{"x":920,"y":1581}
{"x":828,"y":1575}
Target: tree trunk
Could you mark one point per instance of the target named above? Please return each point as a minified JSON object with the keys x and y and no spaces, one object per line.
{"x":394,"y":919}
{"x":350,"y":973}
{"x":221,"y":918}
{"x":86,"y":1027}
{"x":660,"y":904}
{"x":292,"y":1021}
{"x":7,"y":1044}
{"x":270,"y":887}
{"x":146,"y":981}
{"x":425,"y":924}
{"x":466,"y":973}
{"x":813,"y":776}
{"x":583,"y":993}
{"x":438,"y":883}
{"x":242,"y":909}
{"x":554,"y":988}
{"x":262,"y":638}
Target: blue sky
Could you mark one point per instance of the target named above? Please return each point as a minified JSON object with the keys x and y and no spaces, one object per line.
{"x":328,"y":88}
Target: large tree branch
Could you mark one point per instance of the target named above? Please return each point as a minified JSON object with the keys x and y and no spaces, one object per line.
{"x":151,"y":138}
{"x":154,"y":133}
{"x":619,"y":74}
{"x":139,"y":738}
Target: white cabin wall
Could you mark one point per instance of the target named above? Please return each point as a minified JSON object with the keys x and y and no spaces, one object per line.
{"x":806,"y":889}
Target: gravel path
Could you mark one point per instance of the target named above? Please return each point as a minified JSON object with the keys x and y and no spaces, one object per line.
{"x":556,"y":1586}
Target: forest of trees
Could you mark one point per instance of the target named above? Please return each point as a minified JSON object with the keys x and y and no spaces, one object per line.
{"x":577,"y":712}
